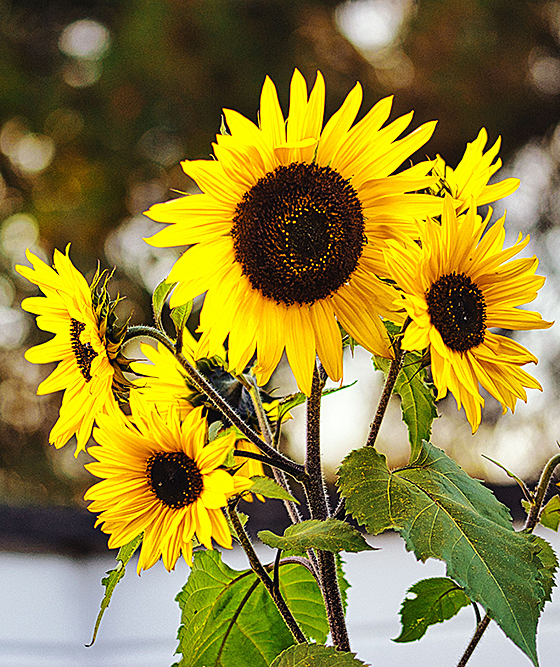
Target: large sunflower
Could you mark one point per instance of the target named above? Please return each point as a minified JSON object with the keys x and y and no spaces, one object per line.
{"x":456,"y":285}
{"x":470,"y":178}
{"x":289,"y":229}
{"x":160,"y":478}
{"x":89,"y":370}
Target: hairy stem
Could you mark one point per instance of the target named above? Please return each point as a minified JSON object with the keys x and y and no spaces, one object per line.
{"x":262,"y":574}
{"x":319,"y":508}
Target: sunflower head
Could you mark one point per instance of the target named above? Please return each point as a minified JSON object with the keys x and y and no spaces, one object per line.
{"x":162,"y":478}
{"x":286,"y":238}
{"x":458,"y":284}
{"x":87,"y":344}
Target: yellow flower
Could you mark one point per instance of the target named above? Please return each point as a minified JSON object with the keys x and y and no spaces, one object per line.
{"x":458,"y":285}
{"x":88,"y":371}
{"x":288,"y":232}
{"x":160,"y":478}
{"x":471,"y":176}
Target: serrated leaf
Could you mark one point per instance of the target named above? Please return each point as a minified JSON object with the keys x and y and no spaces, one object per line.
{"x":228,"y":618}
{"x":343,"y":582}
{"x":329,"y":535}
{"x":417,"y":399}
{"x":124,"y":555}
{"x":159,"y":297}
{"x":550,"y":515}
{"x":442,"y":513}
{"x":548,"y":567}
{"x":268,"y":488}
{"x":180,"y":315}
{"x":436,"y":600}
{"x":315,"y":655}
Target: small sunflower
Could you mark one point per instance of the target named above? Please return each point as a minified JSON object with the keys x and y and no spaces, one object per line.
{"x":470,"y":177}
{"x":456,"y":285}
{"x":287,"y":234}
{"x":87,"y":345}
{"x":160,"y":478}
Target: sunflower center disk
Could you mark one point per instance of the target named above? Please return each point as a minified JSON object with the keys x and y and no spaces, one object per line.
{"x":175,"y":479}
{"x":458,"y":311}
{"x":298,"y":233}
{"x":83,"y":352}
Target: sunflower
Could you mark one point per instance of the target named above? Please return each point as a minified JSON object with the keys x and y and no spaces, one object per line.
{"x":470,"y":177}
{"x":456,"y":285}
{"x":160,"y":478}
{"x":287,"y":234}
{"x":86,"y":344}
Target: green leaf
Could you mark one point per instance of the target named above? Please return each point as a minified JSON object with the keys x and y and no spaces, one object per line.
{"x":548,"y":567}
{"x":436,"y":600}
{"x":180,"y":315}
{"x":343,"y":582}
{"x":268,"y":488}
{"x":329,"y":535}
{"x":293,"y":400}
{"x":417,"y":399}
{"x":124,"y":555}
{"x":229,"y":619}
{"x":550,"y":515}
{"x":442,"y":513}
{"x":159,"y":297}
{"x":315,"y":655}
{"x":511,"y":475}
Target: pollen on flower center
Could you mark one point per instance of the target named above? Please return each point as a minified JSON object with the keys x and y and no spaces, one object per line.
{"x":298,"y":233}
{"x":457,"y":310}
{"x":83,"y":352}
{"x":175,"y":479}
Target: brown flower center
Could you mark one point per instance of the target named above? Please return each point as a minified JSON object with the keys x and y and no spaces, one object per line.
{"x":298,"y":233}
{"x":175,"y":479}
{"x":457,"y":310}
{"x":83,"y":352}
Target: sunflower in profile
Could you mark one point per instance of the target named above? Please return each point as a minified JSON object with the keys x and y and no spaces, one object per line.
{"x":160,"y":478}
{"x":287,"y":234}
{"x":470,"y":177}
{"x":87,"y":344}
{"x":456,"y":285}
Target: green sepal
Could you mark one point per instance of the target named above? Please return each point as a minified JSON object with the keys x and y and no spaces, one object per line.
{"x":315,"y":655}
{"x":159,"y":297}
{"x":550,"y":515}
{"x":437,"y":599}
{"x":442,"y":513}
{"x":124,"y":555}
{"x":180,"y":315}
{"x":417,"y":398}
{"x":268,"y":488}
{"x":229,"y":619}
{"x":329,"y":535}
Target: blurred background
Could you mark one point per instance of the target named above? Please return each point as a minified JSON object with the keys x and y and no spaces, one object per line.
{"x":100,"y":100}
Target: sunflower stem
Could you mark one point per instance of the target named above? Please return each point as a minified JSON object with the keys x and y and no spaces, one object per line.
{"x":532,"y":520}
{"x":262,"y":574}
{"x":392,"y":375}
{"x":318,"y":505}
{"x":278,"y":472}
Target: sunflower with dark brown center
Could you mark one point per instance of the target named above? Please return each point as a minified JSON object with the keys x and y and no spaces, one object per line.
{"x":456,"y":285}
{"x":288,"y":234}
{"x":87,"y":371}
{"x":162,"y":479}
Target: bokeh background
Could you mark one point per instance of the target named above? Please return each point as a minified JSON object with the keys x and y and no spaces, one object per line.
{"x":99,"y":102}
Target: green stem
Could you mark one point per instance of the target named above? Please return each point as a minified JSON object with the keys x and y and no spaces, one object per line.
{"x":532,"y":521}
{"x":262,"y":574}
{"x":318,"y":506}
